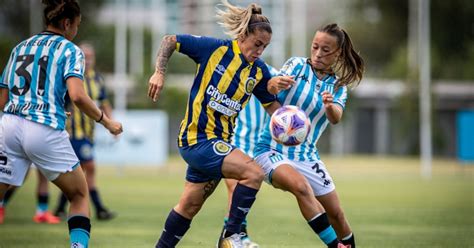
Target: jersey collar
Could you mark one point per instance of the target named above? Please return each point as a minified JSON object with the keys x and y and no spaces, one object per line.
{"x":236,"y":50}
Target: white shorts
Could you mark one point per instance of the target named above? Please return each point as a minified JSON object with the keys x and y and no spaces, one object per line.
{"x":315,"y":172}
{"x":26,"y":142}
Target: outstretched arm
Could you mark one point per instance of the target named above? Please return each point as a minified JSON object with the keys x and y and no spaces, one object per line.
{"x":157,"y":80}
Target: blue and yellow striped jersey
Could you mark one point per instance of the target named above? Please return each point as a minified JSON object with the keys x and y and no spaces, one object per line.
{"x":250,"y":123}
{"x":222,"y":86}
{"x":36,"y":75}
{"x":79,"y":125}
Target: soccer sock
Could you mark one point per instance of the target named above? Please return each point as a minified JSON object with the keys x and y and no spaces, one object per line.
{"x":61,"y":203}
{"x":175,"y":228}
{"x":94,"y":194}
{"x":8,"y":195}
{"x":42,"y":202}
{"x":243,"y":227}
{"x":79,"y":231}
{"x":242,"y":201}
{"x":349,"y":240}
{"x":320,"y":225}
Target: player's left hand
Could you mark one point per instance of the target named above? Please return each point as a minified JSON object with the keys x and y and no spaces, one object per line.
{"x":328,"y":98}
{"x":279,"y":83}
{"x":155,"y":85}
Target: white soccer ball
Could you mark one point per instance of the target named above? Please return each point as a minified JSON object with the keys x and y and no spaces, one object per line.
{"x":289,"y":125}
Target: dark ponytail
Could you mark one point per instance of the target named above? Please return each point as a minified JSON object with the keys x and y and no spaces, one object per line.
{"x":350,"y":66}
{"x":57,"y":10}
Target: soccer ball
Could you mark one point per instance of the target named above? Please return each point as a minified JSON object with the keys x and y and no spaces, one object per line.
{"x":289,"y":125}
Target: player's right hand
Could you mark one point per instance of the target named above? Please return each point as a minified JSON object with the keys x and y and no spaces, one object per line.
{"x":155,"y":85}
{"x":114,"y":127}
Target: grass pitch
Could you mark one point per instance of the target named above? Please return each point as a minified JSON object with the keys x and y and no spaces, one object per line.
{"x":385,"y":199}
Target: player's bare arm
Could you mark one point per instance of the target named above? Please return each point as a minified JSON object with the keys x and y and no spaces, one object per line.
{"x":333,"y":111}
{"x":86,"y":105}
{"x":157,"y":80}
{"x":3,"y":97}
{"x":272,"y":107}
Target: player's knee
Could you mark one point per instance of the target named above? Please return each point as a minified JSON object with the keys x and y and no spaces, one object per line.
{"x":256,"y":175}
{"x":191,"y":208}
{"x":301,"y":188}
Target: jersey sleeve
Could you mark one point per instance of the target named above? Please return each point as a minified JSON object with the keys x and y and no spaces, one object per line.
{"x":74,"y":63}
{"x":6,"y":70}
{"x":261,"y":89}
{"x":197,"y":48}
{"x":340,"y":97}
{"x":292,"y":67}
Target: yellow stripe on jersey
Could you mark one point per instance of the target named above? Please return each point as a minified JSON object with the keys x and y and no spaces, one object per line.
{"x":222,"y":86}
{"x":178,"y":45}
{"x":214,"y":60}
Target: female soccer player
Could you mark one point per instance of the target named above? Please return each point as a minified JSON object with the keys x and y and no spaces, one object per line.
{"x":321,"y":91}
{"x":34,"y":83}
{"x":248,"y":125}
{"x":81,"y":134}
{"x":228,"y":72}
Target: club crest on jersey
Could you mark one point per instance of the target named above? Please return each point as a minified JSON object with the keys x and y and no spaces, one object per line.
{"x":249,"y":85}
{"x":222,"y":148}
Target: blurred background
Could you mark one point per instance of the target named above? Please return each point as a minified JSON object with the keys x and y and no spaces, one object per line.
{"x":413,"y":109}
{"x":396,"y":38}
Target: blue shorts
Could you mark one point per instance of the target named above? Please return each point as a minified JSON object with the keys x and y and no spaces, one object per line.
{"x":205,"y":160}
{"x":84,"y":149}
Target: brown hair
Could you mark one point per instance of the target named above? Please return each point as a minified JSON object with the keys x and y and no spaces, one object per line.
{"x":57,"y":10}
{"x":241,"y":22}
{"x":350,"y":66}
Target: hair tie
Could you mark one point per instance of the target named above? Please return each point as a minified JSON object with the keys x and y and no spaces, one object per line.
{"x":259,"y":23}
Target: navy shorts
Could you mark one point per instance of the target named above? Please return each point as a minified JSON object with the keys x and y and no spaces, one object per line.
{"x":205,"y":160}
{"x":84,"y":149}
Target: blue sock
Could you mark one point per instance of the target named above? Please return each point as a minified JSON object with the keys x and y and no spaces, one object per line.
{"x":42,"y":203}
{"x":242,"y":201}
{"x":79,"y":231}
{"x":320,"y":225}
{"x":175,"y":228}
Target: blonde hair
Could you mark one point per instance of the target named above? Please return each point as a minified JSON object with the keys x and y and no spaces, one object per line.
{"x":240,"y":22}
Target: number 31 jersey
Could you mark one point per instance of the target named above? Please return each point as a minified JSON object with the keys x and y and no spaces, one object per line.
{"x":36,"y":74}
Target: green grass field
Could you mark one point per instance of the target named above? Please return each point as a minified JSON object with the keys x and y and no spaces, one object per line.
{"x":386,"y":201}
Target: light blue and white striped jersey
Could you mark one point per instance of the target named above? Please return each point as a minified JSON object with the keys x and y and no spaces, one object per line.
{"x":36,"y":76}
{"x":250,"y":122}
{"x":306,"y":93}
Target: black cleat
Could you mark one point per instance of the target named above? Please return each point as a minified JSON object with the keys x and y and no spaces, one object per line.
{"x":105,"y":215}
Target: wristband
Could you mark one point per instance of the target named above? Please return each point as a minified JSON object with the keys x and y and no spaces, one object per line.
{"x":101,"y":116}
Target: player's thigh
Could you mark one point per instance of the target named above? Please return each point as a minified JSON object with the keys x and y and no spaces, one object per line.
{"x":238,"y":165}
{"x":72,"y":183}
{"x":317,"y":175}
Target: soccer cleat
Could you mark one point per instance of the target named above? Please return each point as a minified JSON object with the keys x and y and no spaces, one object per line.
{"x":105,"y":215}
{"x":247,"y":243}
{"x":60,"y":214}
{"x":341,"y":245}
{"x":46,"y":217}
{"x":2,"y":214}
{"x":234,"y":241}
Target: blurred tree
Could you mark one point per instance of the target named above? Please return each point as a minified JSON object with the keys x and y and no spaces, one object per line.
{"x":15,"y":22}
{"x":379,"y":28}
